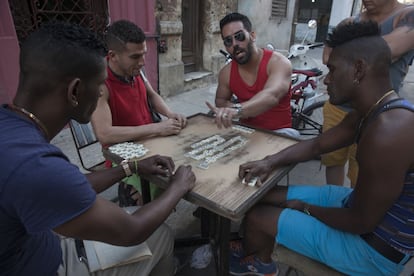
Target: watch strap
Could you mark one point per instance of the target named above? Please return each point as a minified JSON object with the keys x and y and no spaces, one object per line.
{"x":127,"y":169}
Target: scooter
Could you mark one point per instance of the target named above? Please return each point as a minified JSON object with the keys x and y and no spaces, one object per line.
{"x":297,"y":52}
{"x":305,"y":70}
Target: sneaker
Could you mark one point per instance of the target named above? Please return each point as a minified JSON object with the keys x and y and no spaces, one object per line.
{"x":251,"y":265}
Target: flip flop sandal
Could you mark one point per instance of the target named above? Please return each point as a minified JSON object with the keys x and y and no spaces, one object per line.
{"x":125,"y":195}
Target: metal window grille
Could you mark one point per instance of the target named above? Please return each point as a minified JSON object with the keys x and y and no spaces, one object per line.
{"x":279,"y":8}
{"x":28,"y":15}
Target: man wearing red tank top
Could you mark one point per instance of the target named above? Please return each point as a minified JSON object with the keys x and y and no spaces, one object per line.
{"x":123,"y":113}
{"x":259,"y":78}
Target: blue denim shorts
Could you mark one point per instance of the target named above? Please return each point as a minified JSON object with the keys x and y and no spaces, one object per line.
{"x":343,"y":251}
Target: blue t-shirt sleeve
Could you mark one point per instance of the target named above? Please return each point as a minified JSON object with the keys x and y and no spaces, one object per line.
{"x":50,"y":191}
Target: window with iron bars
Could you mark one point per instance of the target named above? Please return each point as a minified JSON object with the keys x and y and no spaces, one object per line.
{"x":28,"y":15}
{"x":279,"y":8}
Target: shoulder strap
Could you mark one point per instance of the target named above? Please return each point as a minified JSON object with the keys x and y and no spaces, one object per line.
{"x":395,"y":103}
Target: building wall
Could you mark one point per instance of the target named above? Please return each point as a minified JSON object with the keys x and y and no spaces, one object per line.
{"x":213,"y":60}
{"x":340,"y":10}
{"x":171,"y":67}
{"x":276,"y":31}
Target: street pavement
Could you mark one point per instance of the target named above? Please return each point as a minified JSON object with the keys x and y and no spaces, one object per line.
{"x":182,"y":221}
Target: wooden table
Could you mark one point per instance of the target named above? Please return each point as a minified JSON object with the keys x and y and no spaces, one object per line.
{"x":218,"y":188}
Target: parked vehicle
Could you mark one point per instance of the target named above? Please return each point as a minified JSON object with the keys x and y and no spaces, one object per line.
{"x":307,"y":100}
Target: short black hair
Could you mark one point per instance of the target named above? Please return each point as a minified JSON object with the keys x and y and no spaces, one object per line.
{"x":349,"y":31}
{"x":58,"y":51}
{"x":121,"y":32}
{"x":361,"y":39}
{"x":235,"y":16}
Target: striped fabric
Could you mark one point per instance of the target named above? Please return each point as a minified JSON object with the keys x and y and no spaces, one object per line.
{"x":397,"y":227}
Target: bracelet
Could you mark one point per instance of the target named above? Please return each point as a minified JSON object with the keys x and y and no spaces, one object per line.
{"x":239,"y":109}
{"x":306,"y":209}
{"x":127,"y":169}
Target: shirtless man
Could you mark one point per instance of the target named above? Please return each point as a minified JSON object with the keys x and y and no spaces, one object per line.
{"x":361,"y":231}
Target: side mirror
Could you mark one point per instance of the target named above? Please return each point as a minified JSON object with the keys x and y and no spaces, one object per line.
{"x":312,"y":24}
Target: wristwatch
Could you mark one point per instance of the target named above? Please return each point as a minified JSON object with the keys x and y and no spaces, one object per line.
{"x":239,"y":109}
{"x":127,"y":169}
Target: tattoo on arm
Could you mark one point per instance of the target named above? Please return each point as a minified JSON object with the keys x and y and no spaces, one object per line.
{"x":407,"y":20}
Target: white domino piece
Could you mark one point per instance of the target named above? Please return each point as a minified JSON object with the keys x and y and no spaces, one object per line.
{"x":252,"y":181}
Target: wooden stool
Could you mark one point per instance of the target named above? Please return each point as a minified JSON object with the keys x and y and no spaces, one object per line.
{"x":304,"y":264}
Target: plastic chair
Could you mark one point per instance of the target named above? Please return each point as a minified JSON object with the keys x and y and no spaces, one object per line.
{"x":86,"y":144}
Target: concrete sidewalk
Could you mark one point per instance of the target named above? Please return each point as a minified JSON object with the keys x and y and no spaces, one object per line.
{"x":182,"y":220}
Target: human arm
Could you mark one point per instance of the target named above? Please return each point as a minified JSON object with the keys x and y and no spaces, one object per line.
{"x":223,"y":92}
{"x":384,"y":158}
{"x":160,"y":106}
{"x":223,"y":111}
{"x":401,"y":39}
{"x":156,"y":164}
{"x":106,"y":222}
{"x":279,"y":71}
{"x":108,"y":134}
{"x":339,"y":136}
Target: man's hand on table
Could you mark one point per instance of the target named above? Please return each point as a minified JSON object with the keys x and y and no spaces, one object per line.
{"x":260,"y":168}
{"x":224,"y":116}
{"x":183,"y":178}
{"x":169,"y":127}
{"x":156,"y":164}
{"x":180,"y":118}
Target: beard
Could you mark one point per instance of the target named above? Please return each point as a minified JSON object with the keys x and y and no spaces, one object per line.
{"x":247,"y":53}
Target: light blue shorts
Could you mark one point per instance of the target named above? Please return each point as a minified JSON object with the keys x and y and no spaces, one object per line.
{"x":345,"y":252}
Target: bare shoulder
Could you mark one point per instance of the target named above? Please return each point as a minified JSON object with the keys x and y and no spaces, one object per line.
{"x":391,"y":135}
{"x":279,"y":57}
{"x":105,"y":93}
{"x":225,"y":71}
{"x":280,"y":61}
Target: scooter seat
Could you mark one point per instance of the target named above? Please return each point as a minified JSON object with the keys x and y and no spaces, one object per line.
{"x":313,"y":72}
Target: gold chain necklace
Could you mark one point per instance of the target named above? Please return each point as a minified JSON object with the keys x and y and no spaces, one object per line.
{"x":32,"y":117}
{"x":374,"y":106}
{"x":378,"y":102}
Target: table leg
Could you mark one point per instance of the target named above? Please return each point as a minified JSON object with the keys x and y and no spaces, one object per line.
{"x":224,"y":237}
{"x":145,"y":189}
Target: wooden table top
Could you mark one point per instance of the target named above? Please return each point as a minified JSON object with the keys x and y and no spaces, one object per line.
{"x":218,"y":187}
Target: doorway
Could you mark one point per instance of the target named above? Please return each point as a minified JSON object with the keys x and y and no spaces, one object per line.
{"x":320,"y":11}
{"x":191,"y":38}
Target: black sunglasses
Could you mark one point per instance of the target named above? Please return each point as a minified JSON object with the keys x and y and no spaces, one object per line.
{"x":239,"y":36}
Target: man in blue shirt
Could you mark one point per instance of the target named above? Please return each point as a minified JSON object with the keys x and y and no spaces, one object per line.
{"x":62,"y":72}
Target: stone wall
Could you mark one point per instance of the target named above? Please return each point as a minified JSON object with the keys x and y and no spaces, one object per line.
{"x":276,"y":31}
{"x":171,"y":67}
